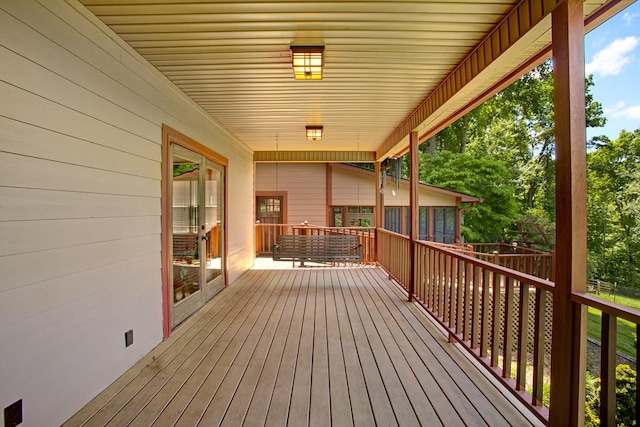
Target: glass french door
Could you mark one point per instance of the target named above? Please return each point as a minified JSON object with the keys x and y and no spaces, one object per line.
{"x":197,"y":195}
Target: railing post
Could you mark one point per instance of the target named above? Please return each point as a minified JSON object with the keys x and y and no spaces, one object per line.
{"x":258,"y":238}
{"x":608,"y":371}
{"x":568,"y":353}
{"x":414,"y":208}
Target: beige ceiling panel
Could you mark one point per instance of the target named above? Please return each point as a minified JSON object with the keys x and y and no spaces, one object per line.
{"x":383,"y":59}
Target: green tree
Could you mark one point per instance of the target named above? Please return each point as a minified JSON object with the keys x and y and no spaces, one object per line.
{"x":515,"y":130}
{"x":614,"y":206}
{"x":482,"y":176}
{"x":625,"y":398}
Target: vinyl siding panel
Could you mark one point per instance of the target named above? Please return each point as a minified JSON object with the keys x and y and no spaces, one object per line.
{"x":305,"y":184}
{"x":80,"y":168}
{"x":427,"y":198}
{"x":349,"y":187}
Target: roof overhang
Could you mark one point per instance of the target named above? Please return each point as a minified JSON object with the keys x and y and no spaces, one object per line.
{"x":390,"y":68}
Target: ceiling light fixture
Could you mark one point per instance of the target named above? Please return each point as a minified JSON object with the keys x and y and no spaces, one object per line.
{"x":307,"y":62}
{"x":314,"y":133}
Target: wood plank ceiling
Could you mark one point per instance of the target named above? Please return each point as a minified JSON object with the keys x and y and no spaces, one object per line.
{"x":389,"y":65}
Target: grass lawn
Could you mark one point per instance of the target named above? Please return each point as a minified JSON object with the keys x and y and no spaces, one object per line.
{"x":626,"y":330}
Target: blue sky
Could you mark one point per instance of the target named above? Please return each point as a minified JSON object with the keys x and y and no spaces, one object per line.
{"x":612,"y":55}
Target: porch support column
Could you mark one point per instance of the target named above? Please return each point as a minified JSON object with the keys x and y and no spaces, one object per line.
{"x":379,"y":208}
{"x":568,"y":360}
{"x":414,"y":208}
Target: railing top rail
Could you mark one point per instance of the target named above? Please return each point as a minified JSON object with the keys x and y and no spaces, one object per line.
{"x":333,"y":228}
{"x":264,"y":224}
{"x":490,"y":254}
{"x":393,"y":233}
{"x":618,"y":310}
{"x":546,"y":285}
{"x":542,"y":254}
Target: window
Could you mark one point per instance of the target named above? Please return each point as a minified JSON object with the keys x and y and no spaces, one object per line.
{"x":392,"y":221}
{"x":336,"y":217}
{"x":268,"y":204}
{"x":444,"y":225}
{"x":423,"y":223}
{"x":352,"y":216}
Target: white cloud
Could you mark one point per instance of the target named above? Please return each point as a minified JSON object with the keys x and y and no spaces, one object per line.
{"x":629,"y":113}
{"x":621,"y":110}
{"x":613,"y":58}
{"x":619,"y":106}
{"x":629,"y":17}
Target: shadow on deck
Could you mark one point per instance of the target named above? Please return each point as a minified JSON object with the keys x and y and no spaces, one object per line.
{"x":306,"y":346}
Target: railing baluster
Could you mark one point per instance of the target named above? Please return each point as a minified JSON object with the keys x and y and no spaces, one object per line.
{"x":523,"y":338}
{"x":446,"y":294}
{"x":484,"y":330}
{"x":539,"y":346}
{"x":441,"y":276}
{"x":507,"y":347}
{"x":460,"y":286}
{"x":430,"y":278}
{"x":474,"y":297}
{"x":452,"y":292}
{"x":608,"y":371}
{"x":475,"y":311}
{"x":495,"y":324}
{"x":468,"y":282}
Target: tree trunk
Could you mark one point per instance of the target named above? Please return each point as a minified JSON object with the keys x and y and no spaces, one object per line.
{"x":431,"y":145}
{"x":463,"y":134}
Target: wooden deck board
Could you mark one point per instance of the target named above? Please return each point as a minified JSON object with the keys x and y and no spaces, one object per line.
{"x":413,"y":388}
{"x":280,"y":402}
{"x":471,"y":401}
{"x":301,"y":391}
{"x":400,"y":397}
{"x":109,"y":403}
{"x":252,"y":355}
{"x":339,"y":387}
{"x":305,"y":346}
{"x":320,"y":405}
{"x":262,"y":370}
{"x":231,"y":359}
{"x":178,"y":404}
{"x":158,"y":392}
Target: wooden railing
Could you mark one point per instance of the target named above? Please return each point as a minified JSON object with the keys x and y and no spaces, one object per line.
{"x":266,"y":235}
{"x":525,"y":260}
{"x":502,"y":317}
{"x":611,"y":312}
{"x":394,"y":255}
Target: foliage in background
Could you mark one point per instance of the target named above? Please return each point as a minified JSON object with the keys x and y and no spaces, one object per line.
{"x":625,"y":398}
{"x":504,"y":152}
{"x":511,"y":133}
{"x":482,"y":176}
{"x":614,"y":206}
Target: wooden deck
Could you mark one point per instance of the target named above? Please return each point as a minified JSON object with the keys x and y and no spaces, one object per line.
{"x":305,"y":346}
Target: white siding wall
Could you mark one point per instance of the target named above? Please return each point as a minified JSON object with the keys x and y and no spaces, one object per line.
{"x":305,"y":184}
{"x":80,"y":168}
{"x":349,"y":187}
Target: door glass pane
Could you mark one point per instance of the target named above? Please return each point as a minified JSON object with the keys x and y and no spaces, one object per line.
{"x":269,"y":209}
{"x":185,"y":216}
{"x":213,"y":228}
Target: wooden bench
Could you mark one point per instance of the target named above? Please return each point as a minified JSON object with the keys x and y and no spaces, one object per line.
{"x":323,"y":248}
